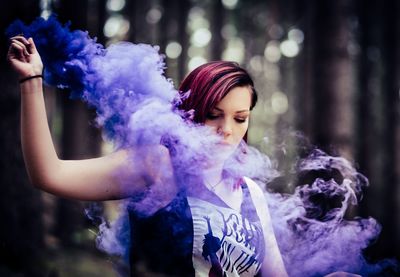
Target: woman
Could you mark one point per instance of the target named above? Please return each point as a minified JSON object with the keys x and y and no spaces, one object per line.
{"x":216,"y":226}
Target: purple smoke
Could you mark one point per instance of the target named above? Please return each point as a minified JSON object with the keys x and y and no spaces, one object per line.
{"x":136,"y":106}
{"x":311,"y":226}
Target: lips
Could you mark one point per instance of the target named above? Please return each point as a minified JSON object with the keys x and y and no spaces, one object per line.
{"x":224,"y":143}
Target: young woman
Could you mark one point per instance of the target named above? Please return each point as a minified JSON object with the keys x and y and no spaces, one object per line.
{"x":216,"y":226}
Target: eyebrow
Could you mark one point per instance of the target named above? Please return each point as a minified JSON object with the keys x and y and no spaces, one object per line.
{"x":241,"y":111}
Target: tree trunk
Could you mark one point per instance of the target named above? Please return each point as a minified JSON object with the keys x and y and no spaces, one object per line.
{"x":217,"y":21}
{"x":390,"y":125}
{"x":378,"y":120}
{"x":183,"y":39}
{"x":332,"y":90}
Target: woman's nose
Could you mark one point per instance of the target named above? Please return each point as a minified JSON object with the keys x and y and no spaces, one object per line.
{"x":225,"y":129}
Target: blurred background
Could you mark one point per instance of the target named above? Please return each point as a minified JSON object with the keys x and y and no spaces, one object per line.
{"x":326,"y":71}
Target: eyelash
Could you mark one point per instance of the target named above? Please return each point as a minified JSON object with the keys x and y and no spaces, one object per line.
{"x":213,"y":117}
{"x":240,"y":120}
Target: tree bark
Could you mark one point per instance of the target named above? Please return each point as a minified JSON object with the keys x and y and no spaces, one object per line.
{"x":390,"y":123}
{"x":217,"y":21}
{"x":332,"y":90}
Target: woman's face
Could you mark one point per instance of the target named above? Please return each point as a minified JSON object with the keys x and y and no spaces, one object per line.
{"x":230,"y":117}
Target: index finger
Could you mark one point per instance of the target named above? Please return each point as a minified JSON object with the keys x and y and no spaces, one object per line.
{"x":20,"y":38}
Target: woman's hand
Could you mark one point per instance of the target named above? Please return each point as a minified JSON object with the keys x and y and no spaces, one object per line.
{"x":23,"y":57}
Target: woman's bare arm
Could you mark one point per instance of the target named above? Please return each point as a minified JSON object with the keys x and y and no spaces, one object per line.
{"x":113,"y":176}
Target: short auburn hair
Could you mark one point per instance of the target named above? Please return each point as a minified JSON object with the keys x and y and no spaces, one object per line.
{"x":209,"y":83}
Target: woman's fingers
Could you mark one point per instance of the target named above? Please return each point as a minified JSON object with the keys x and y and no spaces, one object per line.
{"x":23,"y":57}
{"x":21,"y":38}
{"x":16,"y":51}
{"x":27,"y":43}
{"x":20,"y":46}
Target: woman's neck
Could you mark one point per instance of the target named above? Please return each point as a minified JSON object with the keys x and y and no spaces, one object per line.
{"x":213,"y":176}
{"x":223,"y":187}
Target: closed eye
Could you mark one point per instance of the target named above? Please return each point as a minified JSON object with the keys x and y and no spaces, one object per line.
{"x":240,"y":120}
{"x":212,"y":116}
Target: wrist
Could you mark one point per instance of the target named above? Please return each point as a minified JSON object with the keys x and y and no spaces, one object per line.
{"x":29,"y":72}
{"x":33,"y":84}
{"x":28,"y":78}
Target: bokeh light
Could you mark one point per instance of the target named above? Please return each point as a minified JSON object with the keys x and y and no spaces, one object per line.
{"x":116,"y":25}
{"x":195,"y":62}
{"x":272,"y":52}
{"x":154,"y":15}
{"x":115,"y":5}
{"x":201,"y":37}
{"x":289,"y":48}
{"x":197,"y":19}
{"x":297,"y":35}
{"x":256,"y":63}
{"x":230,"y":4}
{"x":234,"y":50}
{"x":45,"y":6}
{"x":173,"y":50}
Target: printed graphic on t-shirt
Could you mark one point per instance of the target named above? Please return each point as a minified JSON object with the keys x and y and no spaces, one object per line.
{"x":225,"y":243}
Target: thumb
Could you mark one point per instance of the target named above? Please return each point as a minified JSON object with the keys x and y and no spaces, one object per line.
{"x":32,"y":46}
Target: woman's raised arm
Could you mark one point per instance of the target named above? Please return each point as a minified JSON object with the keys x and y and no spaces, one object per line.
{"x":114,"y":176}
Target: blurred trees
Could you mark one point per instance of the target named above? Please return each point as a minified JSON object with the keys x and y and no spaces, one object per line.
{"x":32,"y":219}
{"x":378,"y":135}
{"x":21,"y":208}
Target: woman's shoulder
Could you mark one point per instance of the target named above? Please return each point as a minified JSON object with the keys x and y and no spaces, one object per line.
{"x":254,"y":188}
{"x":259,"y":200}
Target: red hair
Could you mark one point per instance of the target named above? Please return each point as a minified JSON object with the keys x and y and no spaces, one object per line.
{"x":211,"y":82}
